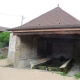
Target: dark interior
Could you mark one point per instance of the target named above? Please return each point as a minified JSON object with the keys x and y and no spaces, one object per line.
{"x":55,"y":47}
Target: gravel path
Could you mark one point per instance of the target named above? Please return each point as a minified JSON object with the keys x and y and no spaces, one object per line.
{"x":7,"y":73}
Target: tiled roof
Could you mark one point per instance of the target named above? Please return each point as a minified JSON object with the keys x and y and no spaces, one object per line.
{"x":56,"y":18}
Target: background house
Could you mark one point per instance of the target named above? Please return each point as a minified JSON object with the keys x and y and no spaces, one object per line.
{"x":2,"y":29}
{"x":53,"y":34}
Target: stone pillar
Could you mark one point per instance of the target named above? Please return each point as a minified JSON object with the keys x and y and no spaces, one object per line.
{"x":11,"y":51}
{"x":17,"y":51}
{"x":14,"y":50}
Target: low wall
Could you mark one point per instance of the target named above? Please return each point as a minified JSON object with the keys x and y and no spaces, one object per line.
{"x":4,"y":52}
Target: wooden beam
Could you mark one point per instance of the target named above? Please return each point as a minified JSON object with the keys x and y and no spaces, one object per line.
{"x":65,"y":64}
{"x":43,"y":33}
{"x":49,"y":30}
{"x":39,"y":61}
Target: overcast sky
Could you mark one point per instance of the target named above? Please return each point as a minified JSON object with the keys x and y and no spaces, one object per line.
{"x":11,"y":11}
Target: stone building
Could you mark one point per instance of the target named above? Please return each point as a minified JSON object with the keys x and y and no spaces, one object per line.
{"x":53,"y":34}
{"x":2,"y":29}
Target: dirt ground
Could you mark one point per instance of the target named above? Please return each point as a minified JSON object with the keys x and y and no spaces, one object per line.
{"x":7,"y":73}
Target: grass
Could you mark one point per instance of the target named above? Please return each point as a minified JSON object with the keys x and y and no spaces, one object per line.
{"x":61,"y":73}
{"x":77,"y":76}
{"x":2,"y":57}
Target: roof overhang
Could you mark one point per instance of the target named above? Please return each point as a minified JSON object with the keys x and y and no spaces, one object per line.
{"x":48,"y":31}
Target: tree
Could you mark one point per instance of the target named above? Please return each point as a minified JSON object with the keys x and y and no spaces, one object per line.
{"x":4,"y":37}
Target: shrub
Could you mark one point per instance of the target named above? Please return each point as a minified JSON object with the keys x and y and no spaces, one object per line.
{"x":4,"y":37}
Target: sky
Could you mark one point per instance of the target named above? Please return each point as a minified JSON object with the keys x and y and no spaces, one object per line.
{"x":11,"y":11}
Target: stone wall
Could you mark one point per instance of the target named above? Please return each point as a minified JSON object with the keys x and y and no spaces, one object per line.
{"x":4,"y":52}
{"x":22,"y":50}
{"x":62,"y":49}
{"x":76,"y":51}
{"x":28,"y":50}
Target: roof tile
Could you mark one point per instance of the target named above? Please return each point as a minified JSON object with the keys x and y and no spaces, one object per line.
{"x":55,"y":18}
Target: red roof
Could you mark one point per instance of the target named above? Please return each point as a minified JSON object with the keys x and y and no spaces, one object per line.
{"x":56,"y":18}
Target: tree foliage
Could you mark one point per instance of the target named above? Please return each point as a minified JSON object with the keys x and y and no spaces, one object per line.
{"x":4,"y":37}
